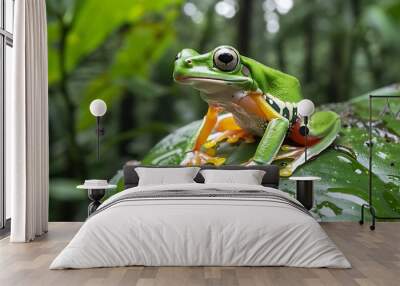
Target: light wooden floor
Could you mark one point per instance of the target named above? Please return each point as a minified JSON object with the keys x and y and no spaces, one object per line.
{"x":375,"y":257}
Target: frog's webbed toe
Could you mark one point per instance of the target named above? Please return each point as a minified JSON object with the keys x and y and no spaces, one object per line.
{"x":198,"y":158}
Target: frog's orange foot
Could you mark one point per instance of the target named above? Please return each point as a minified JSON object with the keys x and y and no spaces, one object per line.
{"x":290,"y":154}
{"x":230,"y":136}
{"x":286,"y":171}
{"x":198,"y":158}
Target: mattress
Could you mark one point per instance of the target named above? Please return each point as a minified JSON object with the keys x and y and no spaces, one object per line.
{"x":201,"y":225}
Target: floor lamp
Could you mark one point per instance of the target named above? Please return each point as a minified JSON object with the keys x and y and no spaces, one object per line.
{"x":98,"y":108}
{"x":96,"y":188}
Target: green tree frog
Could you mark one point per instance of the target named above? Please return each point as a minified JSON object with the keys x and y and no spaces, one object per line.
{"x":247,"y":99}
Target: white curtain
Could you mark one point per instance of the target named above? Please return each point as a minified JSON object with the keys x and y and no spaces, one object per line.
{"x":27,"y":124}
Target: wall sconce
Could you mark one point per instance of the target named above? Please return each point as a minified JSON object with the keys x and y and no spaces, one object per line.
{"x":98,"y":108}
{"x":305,"y":109}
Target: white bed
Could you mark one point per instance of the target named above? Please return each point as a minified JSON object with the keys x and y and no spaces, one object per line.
{"x":185,"y":230}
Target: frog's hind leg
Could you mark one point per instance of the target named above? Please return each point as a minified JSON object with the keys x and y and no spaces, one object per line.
{"x":215,"y":129}
{"x":227,"y":130}
{"x":230,"y":136}
{"x":194,"y":155}
{"x":289,"y":152}
{"x":325,"y":125}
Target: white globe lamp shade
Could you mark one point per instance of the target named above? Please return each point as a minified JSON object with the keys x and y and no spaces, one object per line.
{"x":305,"y":108}
{"x":98,"y":107}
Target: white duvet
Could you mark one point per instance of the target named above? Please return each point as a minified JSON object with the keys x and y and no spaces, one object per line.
{"x":200,"y":231}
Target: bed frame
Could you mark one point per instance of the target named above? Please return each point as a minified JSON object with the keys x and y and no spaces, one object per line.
{"x":270,"y":179}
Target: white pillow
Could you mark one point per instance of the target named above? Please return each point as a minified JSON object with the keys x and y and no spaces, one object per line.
{"x":248,"y":177}
{"x":166,"y":176}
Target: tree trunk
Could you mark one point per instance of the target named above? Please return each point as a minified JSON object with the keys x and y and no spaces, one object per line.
{"x":126,"y":121}
{"x":244,"y":26}
{"x":309,"y":44}
{"x":280,"y":51}
{"x":208,"y":30}
{"x":375,"y":67}
{"x":335,"y":69}
{"x":353,"y":42}
{"x":74,"y":157}
{"x":336,"y":57}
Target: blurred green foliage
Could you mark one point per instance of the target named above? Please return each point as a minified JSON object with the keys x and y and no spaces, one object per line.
{"x":123,"y":51}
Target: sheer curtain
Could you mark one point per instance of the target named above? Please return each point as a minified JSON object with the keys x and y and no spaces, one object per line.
{"x":27,"y":124}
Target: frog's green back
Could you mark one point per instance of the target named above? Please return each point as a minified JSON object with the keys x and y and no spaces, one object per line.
{"x":274,"y":82}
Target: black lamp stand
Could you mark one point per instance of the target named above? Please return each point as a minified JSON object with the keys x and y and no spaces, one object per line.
{"x":95,"y":195}
{"x":305,"y":137}
{"x":370,"y":206}
{"x":99,"y":132}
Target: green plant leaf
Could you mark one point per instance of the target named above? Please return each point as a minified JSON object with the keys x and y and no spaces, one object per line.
{"x":344,"y":185}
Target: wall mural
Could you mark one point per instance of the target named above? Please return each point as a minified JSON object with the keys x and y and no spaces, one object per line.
{"x":123,"y":52}
{"x":252,"y":119}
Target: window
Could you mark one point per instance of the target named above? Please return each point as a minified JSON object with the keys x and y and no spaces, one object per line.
{"x":6,"y":61}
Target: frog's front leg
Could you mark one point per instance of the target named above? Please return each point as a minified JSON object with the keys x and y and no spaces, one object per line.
{"x":194,"y":156}
{"x":271,"y":141}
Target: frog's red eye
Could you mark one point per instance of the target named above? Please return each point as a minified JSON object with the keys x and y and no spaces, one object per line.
{"x":225,"y":59}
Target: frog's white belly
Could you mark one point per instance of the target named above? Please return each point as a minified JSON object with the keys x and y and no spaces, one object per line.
{"x":245,"y":119}
{"x":249,"y":122}
{"x":227,"y":98}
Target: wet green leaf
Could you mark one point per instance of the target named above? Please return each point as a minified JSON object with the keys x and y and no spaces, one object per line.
{"x":344,"y":185}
